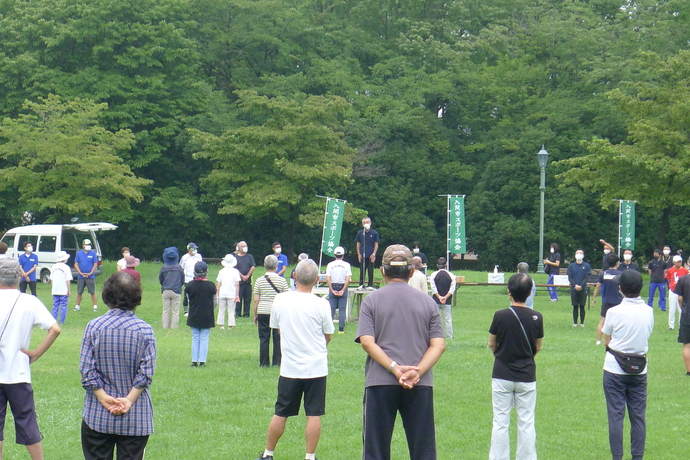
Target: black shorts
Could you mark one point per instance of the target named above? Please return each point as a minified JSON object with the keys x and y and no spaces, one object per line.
{"x":20,"y":396}
{"x":290,"y":393}
{"x":684,"y":333}
{"x":578,"y":297}
{"x":605,"y":307}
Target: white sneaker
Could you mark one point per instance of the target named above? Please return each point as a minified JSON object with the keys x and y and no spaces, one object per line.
{"x":582,"y":325}
{"x":598,"y":342}
{"x":222,"y":328}
{"x":574,"y":325}
{"x":77,"y":308}
{"x":95,"y":308}
{"x":186,"y":314}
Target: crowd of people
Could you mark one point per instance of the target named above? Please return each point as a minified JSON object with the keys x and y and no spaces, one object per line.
{"x":403,"y":327}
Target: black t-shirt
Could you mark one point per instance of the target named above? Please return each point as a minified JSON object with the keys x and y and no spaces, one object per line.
{"x":244,"y":264}
{"x":550,"y":269}
{"x":657,"y":268}
{"x":514,"y":359}
{"x":683,"y":290}
{"x":623,"y":266}
{"x":201,"y":294}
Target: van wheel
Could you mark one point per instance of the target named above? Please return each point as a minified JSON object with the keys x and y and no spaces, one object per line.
{"x":45,"y":276}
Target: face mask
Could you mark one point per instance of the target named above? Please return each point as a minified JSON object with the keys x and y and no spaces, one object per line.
{"x":416,"y":250}
{"x":367,"y":226}
{"x":552,"y":251}
{"x":278,"y":250}
{"x":245,"y":249}
{"x":193,"y":252}
{"x":29,"y":249}
{"x":125,"y":254}
{"x":607,"y":251}
{"x":667,"y":252}
{"x":579,"y":257}
{"x":87,"y":247}
{"x":627,"y":257}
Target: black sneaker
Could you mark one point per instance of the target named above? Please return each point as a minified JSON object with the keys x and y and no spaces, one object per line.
{"x":195,"y":364}
{"x":202,"y":364}
{"x":261,"y":457}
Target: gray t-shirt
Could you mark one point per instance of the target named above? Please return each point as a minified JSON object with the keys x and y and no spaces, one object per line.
{"x":402,"y":321}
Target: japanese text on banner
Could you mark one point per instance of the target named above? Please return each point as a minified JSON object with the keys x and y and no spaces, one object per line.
{"x":333,"y":224}
{"x":627,"y":225}
{"x":456,"y":224}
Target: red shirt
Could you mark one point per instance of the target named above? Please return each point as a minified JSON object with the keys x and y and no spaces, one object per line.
{"x":135,"y":274}
{"x":672,"y":275}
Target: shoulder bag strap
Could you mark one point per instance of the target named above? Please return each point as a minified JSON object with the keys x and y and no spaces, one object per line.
{"x":271,"y":283}
{"x":529,"y":344}
{"x":8,"y":316}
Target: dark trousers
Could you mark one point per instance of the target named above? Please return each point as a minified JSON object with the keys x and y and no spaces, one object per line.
{"x":339,"y":303}
{"x":416,"y":407}
{"x":245,"y":304}
{"x":100,"y":446}
{"x":579,"y":300}
{"x":630,"y":390}
{"x":368,"y":266}
{"x":264,"y":338}
{"x":32,"y":286}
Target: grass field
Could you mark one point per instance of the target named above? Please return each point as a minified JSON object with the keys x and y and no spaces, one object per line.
{"x":222,"y":411}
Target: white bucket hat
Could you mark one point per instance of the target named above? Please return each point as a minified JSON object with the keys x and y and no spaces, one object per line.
{"x":62,"y":256}
{"x":229,"y":261}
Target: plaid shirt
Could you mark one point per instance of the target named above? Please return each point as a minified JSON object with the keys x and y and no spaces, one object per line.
{"x":118,"y":352}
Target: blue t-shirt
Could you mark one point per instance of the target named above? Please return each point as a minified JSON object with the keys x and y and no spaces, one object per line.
{"x":27,"y":263}
{"x":86,"y":261}
{"x":609,"y":286}
{"x":282,"y":262}
{"x":369,"y":238}
{"x":577,"y":274}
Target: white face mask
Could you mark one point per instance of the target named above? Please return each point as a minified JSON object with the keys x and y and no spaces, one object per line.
{"x":552,"y":251}
{"x":278,"y":250}
{"x":667,"y":252}
{"x":607,"y":251}
{"x":193,"y":252}
{"x":245,"y":249}
{"x":416,"y":250}
{"x":29,"y":249}
{"x":367,"y":226}
{"x":627,"y":257}
{"x":579,"y":257}
{"x":125,"y":254}
{"x":87,"y":247}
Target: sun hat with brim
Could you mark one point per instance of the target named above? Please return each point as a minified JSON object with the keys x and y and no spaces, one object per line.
{"x":62,"y":256}
{"x":132,"y":261}
{"x":228,"y":261}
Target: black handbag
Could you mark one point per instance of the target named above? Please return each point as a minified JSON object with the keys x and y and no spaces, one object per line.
{"x":631,"y":363}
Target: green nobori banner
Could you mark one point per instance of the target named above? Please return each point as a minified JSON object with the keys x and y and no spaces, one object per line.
{"x":333,"y":225}
{"x":456,"y":225}
{"x":626,"y":221}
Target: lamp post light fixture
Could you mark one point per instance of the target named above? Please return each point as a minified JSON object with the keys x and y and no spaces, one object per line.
{"x":542,"y":158}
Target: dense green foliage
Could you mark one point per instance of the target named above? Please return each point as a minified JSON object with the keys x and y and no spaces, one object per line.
{"x":243,"y":111}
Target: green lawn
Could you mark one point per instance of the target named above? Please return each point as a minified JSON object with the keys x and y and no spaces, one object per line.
{"x":222,"y":411}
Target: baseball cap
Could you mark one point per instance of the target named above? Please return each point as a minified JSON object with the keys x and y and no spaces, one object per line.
{"x":397,"y":254}
{"x":677,"y":258}
{"x":86,"y":241}
{"x":192,"y":246}
{"x":339,"y":251}
{"x":200,"y":267}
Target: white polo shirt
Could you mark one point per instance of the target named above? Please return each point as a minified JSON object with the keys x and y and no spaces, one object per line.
{"x":303,"y":319}
{"x":228,"y":277}
{"x":28,"y":312}
{"x":629,"y":324}
{"x":338,"y":271}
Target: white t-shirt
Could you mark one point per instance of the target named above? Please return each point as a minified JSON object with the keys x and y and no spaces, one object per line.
{"x":122,"y":263}
{"x":338,"y":270}
{"x":227,"y":277}
{"x":188,"y":262}
{"x":59,"y":275}
{"x":303,"y":319}
{"x":629,"y":324}
{"x":28,"y":312}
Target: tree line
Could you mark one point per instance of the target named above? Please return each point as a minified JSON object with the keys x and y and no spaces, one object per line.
{"x":217,"y":121}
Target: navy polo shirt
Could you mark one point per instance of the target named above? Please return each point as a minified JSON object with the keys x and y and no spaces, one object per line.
{"x":27,"y":263}
{"x":578,"y":273}
{"x":610,"y":293}
{"x":657,"y":268}
{"x":369,"y":237}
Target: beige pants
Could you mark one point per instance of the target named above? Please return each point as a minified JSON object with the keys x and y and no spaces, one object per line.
{"x":226,"y":305}
{"x":171,"y":301}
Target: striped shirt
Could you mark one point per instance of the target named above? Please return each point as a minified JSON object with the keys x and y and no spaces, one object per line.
{"x":118,"y":353}
{"x":266,"y":293}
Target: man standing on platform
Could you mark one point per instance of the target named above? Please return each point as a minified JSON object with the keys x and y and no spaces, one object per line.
{"x":367,"y":240}
{"x":245,"y":265}
{"x":577,"y":276}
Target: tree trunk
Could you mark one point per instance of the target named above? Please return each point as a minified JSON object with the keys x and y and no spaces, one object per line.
{"x":663,"y":228}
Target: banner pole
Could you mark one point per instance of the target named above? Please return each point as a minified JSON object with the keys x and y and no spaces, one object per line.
{"x":323,"y":232}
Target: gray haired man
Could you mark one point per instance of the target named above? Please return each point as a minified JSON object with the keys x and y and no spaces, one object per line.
{"x":19,"y":313}
{"x":523,"y":267}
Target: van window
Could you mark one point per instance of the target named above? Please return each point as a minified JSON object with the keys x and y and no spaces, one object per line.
{"x":9,"y":241}
{"x":33,"y":239}
{"x":47,"y":243}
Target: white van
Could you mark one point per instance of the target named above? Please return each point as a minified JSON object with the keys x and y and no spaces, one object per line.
{"x":49,"y":239}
